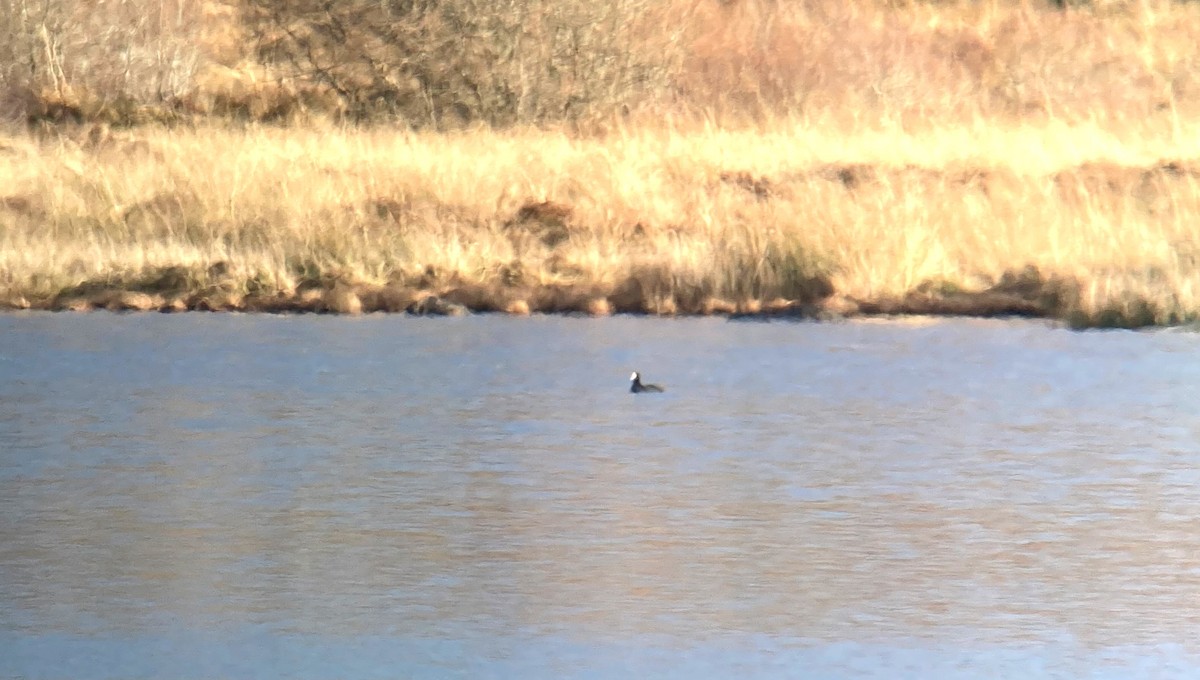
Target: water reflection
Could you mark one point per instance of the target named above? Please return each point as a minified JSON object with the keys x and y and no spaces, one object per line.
{"x":208,"y":496}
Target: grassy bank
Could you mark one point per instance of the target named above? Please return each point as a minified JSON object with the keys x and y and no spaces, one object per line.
{"x":816,"y":157}
{"x":1088,"y":222}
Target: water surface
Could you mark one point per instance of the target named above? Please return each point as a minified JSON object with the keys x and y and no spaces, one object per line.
{"x":202,"y":496}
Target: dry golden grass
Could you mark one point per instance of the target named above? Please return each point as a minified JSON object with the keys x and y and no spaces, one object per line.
{"x":935,"y":63}
{"x":1072,"y":221}
{"x":809,"y":157}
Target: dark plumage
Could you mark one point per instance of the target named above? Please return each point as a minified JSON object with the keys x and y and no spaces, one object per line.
{"x":637,"y":385}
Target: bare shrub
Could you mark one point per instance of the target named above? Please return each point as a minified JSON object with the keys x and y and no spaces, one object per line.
{"x":444,"y":63}
{"x":74,"y":59}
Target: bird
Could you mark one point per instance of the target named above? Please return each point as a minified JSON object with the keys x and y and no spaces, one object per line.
{"x":637,"y":385}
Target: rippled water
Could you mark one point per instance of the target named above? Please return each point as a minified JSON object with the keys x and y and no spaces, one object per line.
{"x":202,"y":496}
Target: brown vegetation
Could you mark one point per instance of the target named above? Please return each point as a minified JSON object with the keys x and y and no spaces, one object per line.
{"x":699,"y":157}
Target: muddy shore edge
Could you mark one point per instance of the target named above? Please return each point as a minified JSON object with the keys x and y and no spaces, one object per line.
{"x":1025,"y":294}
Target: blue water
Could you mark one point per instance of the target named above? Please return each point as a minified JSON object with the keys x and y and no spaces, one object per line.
{"x":211,"y":496}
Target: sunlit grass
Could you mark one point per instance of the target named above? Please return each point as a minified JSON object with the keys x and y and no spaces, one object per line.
{"x":667,"y":218}
{"x":803,"y":157}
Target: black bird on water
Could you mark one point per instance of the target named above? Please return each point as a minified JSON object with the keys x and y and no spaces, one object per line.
{"x":637,"y":385}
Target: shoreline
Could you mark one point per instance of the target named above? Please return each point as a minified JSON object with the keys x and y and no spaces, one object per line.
{"x":991,"y":218}
{"x":745,"y":158}
{"x":1025,"y":294}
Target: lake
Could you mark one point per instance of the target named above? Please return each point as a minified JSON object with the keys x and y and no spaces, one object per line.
{"x":225,"y":495}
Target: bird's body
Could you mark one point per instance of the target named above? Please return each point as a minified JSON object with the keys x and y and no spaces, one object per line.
{"x":637,"y":386}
